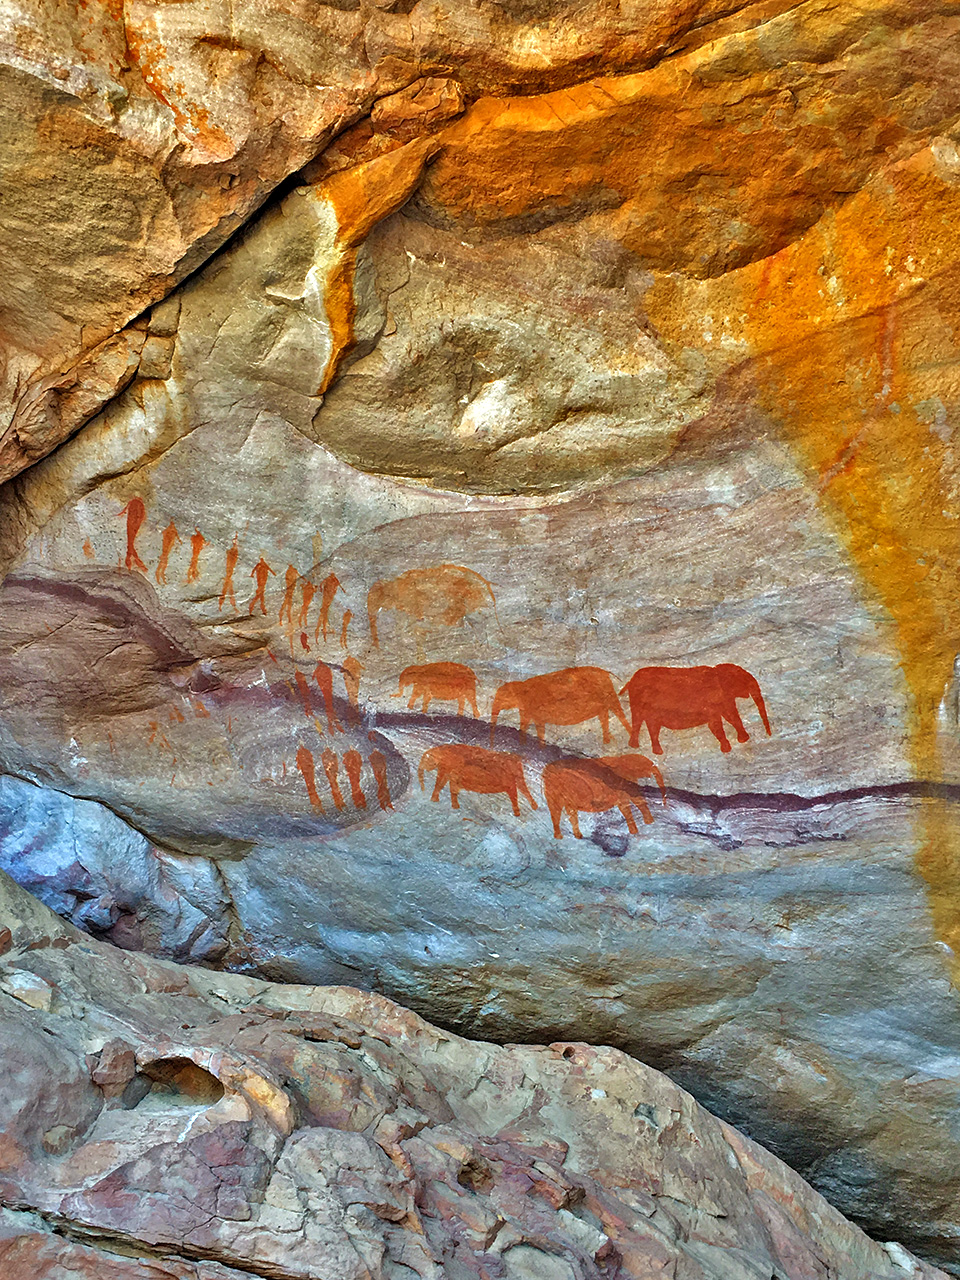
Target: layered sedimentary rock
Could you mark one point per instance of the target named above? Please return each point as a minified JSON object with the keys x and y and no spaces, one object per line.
{"x":166,"y":1122}
{"x":567,"y":450}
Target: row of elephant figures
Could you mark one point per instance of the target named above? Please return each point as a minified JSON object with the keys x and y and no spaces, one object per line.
{"x":659,"y":698}
{"x":571,"y":785}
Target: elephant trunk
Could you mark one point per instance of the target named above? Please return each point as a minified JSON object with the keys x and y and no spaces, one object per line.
{"x":501,"y":702}
{"x":426,"y":764}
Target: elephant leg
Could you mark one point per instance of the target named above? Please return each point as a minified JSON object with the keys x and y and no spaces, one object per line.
{"x":644,"y":810}
{"x":732,"y":715}
{"x":454,"y":795}
{"x":618,"y":712}
{"x":413,"y":698}
{"x":575,"y":822}
{"x":604,"y":725}
{"x":441,"y":783}
{"x":427,"y":699}
{"x":524,"y":725}
{"x":473,"y":703}
{"x":522,"y":788}
{"x":512,"y":793}
{"x":628,"y":814}
{"x":716,"y":728}
{"x":461,"y":703}
{"x":556,"y":813}
{"x":653,"y":728}
{"x":541,"y":729}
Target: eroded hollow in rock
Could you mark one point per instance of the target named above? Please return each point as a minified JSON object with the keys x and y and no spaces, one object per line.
{"x":173,"y":1082}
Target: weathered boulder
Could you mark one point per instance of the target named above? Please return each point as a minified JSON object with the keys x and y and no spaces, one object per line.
{"x":167,"y":1122}
{"x":596,"y":394}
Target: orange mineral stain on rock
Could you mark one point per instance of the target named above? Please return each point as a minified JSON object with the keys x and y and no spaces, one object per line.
{"x":852,"y":346}
{"x":361,"y":197}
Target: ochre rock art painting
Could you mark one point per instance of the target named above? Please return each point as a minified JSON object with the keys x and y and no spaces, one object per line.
{"x":261,"y":573}
{"x":306,"y":766}
{"x":476,"y":769}
{"x":307,"y":592}
{"x":565,"y":697}
{"x":331,"y":768}
{"x":323,"y":674}
{"x":227,"y":591}
{"x":633,"y":768}
{"x":440,"y":682}
{"x":197,"y":543}
{"x":136,"y":513}
{"x":442,"y":596}
{"x":574,"y":785}
{"x":687,"y":697}
{"x":291,"y":579}
{"x":353,"y":763}
{"x":328,"y":590}
{"x":378,"y":763}
{"x":171,"y":539}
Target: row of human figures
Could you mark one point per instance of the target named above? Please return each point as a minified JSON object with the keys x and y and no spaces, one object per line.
{"x":298,"y":595}
{"x":438,"y":596}
{"x":353,"y":767}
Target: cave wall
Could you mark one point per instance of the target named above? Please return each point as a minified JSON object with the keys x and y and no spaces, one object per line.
{"x":345,"y":341}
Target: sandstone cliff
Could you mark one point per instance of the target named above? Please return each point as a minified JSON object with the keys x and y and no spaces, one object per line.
{"x":588,"y":375}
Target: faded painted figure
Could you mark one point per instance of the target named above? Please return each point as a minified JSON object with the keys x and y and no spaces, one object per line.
{"x":573,"y":785}
{"x":687,"y":697}
{"x":570,"y":696}
{"x":476,"y":769}
{"x":633,"y":768}
{"x":442,"y":596}
{"x":440,"y":682}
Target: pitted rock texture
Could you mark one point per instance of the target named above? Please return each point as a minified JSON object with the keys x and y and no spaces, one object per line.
{"x":165,"y":1122}
{"x":585,"y":395}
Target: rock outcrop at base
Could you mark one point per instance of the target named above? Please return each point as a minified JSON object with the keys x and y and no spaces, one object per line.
{"x":164,"y":1122}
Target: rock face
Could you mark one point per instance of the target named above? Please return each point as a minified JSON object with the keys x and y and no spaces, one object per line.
{"x":566,"y":450}
{"x":165,"y":1122}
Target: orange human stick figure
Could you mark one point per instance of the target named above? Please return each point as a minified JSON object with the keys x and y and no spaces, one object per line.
{"x":233,"y":554}
{"x":328,"y":589}
{"x":324,"y":678}
{"x":171,"y":539}
{"x":353,"y":763}
{"x":305,"y":765}
{"x":260,"y":572}
{"x":136,"y":513}
{"x":330,"y":769}
{"x":197,"y":543}
{"x":378,"y":763}
{"x":290,"y":585}
{"x":308,"y":591}
{"x":343,"y":630}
